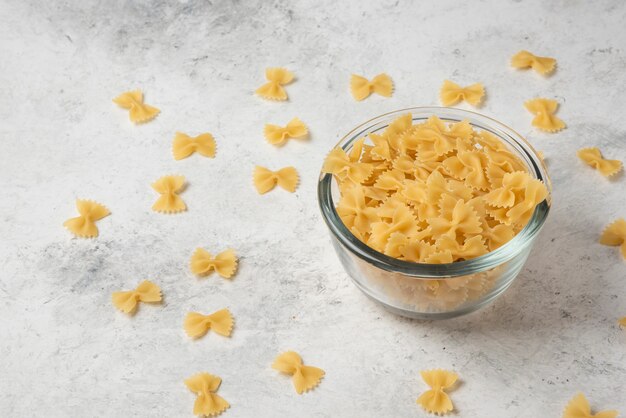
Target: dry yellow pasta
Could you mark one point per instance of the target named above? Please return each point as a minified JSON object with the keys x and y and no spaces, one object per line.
{"x":578,"y":407}
{"x":138,"y":111}
{"x":304,"y":378}
{"x":525,"y":59}
{"x":544,"y":110}
{"x":208,"y":403}
{"x":361,"y":87}
{"x":85,"y":225}
{"x":202,"y":263}
{"x":277,"y":135}
{"x":126,"y":301}
{"x":265,"y":179}
{"x":184,"y":145}
{"x":451,"y":93}
{"x":433,"y":192}
{"x":197,"y":324}
{"x":168,"y":187}
{"x":593,"y":157}
{"x":622,"y":322}
{"x":435,"y":400}
{"x":273,"y":89}
{"x":615,"y":235}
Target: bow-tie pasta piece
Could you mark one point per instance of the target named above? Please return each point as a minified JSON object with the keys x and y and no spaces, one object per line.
{"x":139,"y":112}
{"x":126,"y":301}
{"x":277,"y":135}
{"x":202,"y":263}
{"x":544,"y":110}
{"x":525,"y":59}
{"x":593,"y":157}
{"x":197,"y":324}
{"x":361,"y":87}
{"x":523,"y":206}
{"x":435,"y":400}
{"x":578,"y":407}
{"x":622,"y":322}
{"x":615,"y":235}
{"x":340,"y":164}
{"x":169,"y":201}
{"x":304,"y":378}
{"x":208,"y":403}
{"x":184,"y":145}
{"x":85,"y":225}
{"x":458,"y":217}
{"x":265,"y":179}
{"x":451,"y":93}
{"x":273,"y":89}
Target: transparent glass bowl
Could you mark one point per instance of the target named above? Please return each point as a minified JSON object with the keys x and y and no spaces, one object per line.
{"x":434,"y":291}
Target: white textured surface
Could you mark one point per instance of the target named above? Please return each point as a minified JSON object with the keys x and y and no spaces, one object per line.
{"x":65,"y":351}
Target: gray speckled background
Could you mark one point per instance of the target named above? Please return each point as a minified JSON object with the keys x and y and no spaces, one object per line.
{"x":65,"y":351}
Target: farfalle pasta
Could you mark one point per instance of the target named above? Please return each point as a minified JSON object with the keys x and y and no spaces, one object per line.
{"x":278,"y":135}
{"x":304,"y":378}
{"x":208,"y":403}
{"x":168,"y":187}
{"x":196,"y":324}
{"x":202,"y":263}
{"x":138,"y":111}
{"x":436,"y":400}
{"x":615,"y":235}
{"x":276,"y":79}
{"x":184,"y":145}
{"x":451,"y":93}
{"x":84,"y":225}
{"x":126,"y":301}
{"x":525,"y":59}
{"x":433,"y":192}
{"x":578,"y":407}
{"x":593,"y":157}
{"x":265,"y":179}
{"x":361,"y":87}
{"x":544,"y":110}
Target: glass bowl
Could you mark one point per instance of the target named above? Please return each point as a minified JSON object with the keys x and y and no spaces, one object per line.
{"x":434,"y":291}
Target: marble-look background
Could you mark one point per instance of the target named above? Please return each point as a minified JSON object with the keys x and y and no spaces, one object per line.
{"x":66,"y":352}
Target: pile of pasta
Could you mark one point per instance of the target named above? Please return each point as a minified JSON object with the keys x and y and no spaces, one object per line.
{"x":433,"y":192}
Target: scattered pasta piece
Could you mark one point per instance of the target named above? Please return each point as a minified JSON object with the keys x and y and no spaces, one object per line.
{"x":169,"y":201}
{"x":277,"y":135}
{"x":196,"y":324}
{"x":614,"y":235}
{"x":593,"y":157}
{"x":139,"y":112}
{"x":184,"y":145}
{"x":544,"y":110}
{"x":435,"y":400}
{"x":361,"y":87}
{"x":524,"y":59}
{"x":126,"y":301}
{"x":304,"y":377}
{"x":451,"y":93}
{"x":85,"y":225}
{"x":202,"y":263}
{"x":579,"y":407}
{"x":433,"y":192}
{"x":265,"y":179}
{"x":208,"y":403}
{"x":622,"y":322}
{"x":273,"y":89}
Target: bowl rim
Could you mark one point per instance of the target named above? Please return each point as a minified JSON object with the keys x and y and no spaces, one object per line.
{"x":479,"y":264}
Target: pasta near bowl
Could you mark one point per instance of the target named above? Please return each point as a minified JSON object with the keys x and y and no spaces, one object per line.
{"x":433,"y":211}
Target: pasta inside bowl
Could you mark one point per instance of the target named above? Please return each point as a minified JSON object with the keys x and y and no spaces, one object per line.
{"x":433,"y":211}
